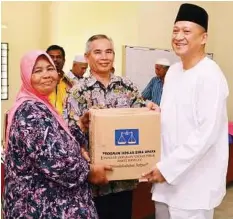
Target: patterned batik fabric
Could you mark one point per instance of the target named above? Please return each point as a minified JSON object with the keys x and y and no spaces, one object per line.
{"x":45,"y":174}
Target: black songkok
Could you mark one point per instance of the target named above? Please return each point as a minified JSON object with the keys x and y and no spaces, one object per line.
{"x":193,"y":13}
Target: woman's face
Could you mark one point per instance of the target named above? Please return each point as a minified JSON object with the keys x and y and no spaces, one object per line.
{"x":44,"y":76}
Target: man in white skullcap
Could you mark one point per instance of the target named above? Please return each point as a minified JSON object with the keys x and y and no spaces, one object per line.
{"x":154,"y":89}
{"x":79,"y":68}
{"x":190,"y":179}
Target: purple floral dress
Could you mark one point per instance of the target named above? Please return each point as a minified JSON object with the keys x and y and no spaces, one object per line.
{"x":45,"y":175}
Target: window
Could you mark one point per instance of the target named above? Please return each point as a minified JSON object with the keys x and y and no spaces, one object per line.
{"x":4,"y":71}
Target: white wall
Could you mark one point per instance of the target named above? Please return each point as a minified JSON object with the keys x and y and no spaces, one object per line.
{"x":26,"y":30}
{"x":223,"y":44}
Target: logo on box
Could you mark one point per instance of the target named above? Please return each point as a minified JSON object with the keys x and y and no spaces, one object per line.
{"x":126,"y":137}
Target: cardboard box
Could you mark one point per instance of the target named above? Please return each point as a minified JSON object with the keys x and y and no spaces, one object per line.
{"x":128,"y":139}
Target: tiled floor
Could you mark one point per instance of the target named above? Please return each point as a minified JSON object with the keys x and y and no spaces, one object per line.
{"x":225,"y":210}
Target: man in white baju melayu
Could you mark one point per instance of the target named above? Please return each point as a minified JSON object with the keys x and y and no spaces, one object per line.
{"x":190,"y":179}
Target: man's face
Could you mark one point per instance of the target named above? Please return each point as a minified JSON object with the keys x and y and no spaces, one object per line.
{"x":101,"y":56}
{"x":58,"y":59}
{"x":79,"y":68}
{"x":160,"y":70}
{"x":188,"y":38}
